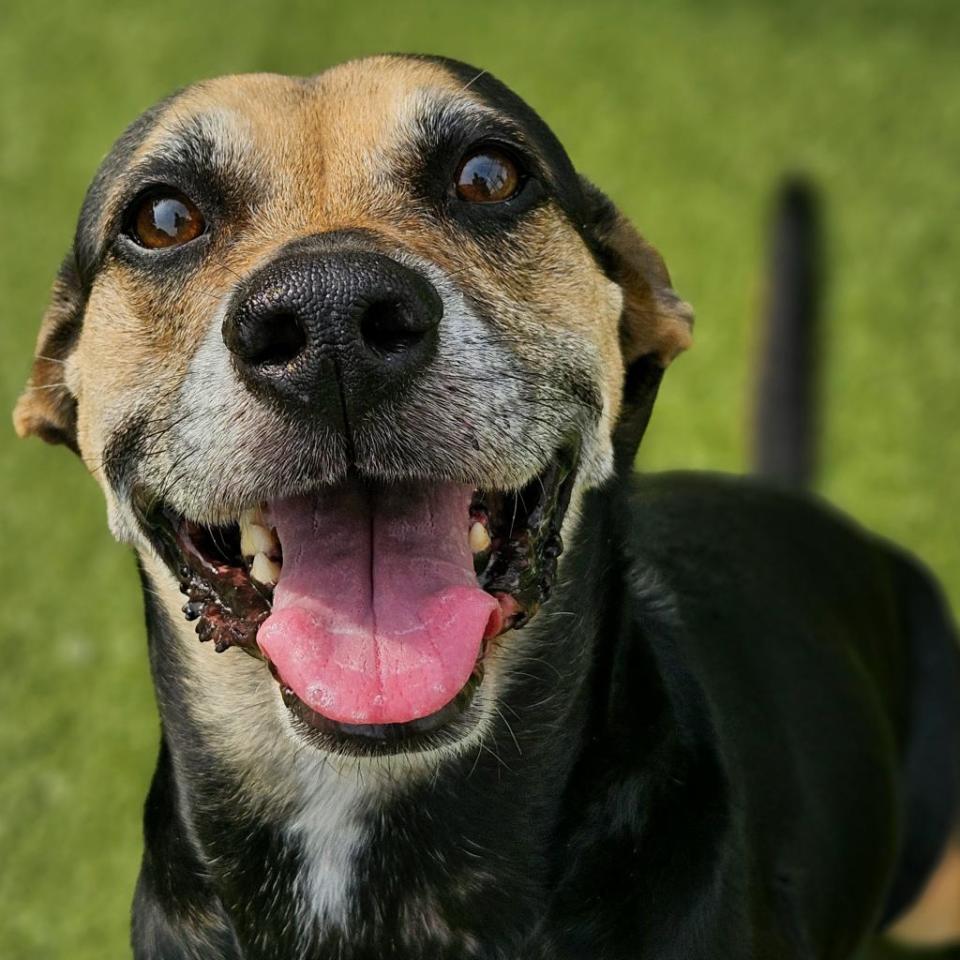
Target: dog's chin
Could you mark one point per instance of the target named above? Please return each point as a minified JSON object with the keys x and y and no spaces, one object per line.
{"x":452,"y":724}
{"x":375,"y":605}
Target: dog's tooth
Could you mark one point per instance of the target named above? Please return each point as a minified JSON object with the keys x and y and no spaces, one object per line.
{"x":264,"y":570}
{"x":246,"y":539}
{"x":479,"y":538}
{"x":255,"y":539}
{"x":255,"y":536}
{"x":251,"y":515}
{"x":246,"y":521}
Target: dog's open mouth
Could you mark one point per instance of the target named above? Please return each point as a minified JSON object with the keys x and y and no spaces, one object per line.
{"x":373,"y":603}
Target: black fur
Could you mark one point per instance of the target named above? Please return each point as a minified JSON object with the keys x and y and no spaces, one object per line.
{"x":739,"y":740}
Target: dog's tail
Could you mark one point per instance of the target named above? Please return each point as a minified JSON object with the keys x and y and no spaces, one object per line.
{"x":785,"y":402}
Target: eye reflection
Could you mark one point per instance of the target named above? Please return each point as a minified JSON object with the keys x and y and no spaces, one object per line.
{"x":166,"y":218}
{"x":487,"y":176}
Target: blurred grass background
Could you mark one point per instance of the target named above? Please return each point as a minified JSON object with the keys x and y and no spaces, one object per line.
{"x":687,"y":113}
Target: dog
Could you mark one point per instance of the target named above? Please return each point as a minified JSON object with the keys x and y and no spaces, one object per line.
{"x":362,"y":364}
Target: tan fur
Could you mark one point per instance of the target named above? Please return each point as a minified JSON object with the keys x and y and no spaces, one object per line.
{"x":933,"y":920}
{"x":656,"y":320}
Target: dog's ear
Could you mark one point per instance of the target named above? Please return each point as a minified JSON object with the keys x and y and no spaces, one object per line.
{"x":656,"y":323}
{"x":46,"y":407}
{"x":656,"y":326}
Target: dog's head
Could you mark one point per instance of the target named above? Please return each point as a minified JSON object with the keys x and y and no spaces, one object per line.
{"x":340,"y":351}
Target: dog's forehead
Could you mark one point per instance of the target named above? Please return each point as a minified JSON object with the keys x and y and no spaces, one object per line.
{"x":352,"y":106}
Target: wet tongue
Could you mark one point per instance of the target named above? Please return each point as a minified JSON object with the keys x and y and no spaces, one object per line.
{"x":377,"y":616}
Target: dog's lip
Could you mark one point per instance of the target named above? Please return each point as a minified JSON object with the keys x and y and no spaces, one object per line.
{"x":416,"y":736}
{"x":518,"y":569}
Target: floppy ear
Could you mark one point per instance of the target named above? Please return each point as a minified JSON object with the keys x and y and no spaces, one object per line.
{"x":655,"y":326}
{"x":46,"y":407}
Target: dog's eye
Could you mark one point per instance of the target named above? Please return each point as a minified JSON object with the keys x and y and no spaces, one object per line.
{"x":165,"y":218}
{"x":487,"y":175}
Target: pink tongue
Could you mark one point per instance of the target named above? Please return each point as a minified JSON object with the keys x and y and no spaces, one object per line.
{"x":377,"y":617}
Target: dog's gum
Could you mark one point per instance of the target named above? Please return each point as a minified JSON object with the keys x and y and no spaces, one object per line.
{"x":226,"y":603}
{"x":527,"y":544}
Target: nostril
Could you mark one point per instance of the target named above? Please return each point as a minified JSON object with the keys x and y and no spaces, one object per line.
{"x":276,"y":340}
{"x":387,"y":328}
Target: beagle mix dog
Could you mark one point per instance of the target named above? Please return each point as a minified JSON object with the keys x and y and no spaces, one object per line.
{"x":355,"y":358}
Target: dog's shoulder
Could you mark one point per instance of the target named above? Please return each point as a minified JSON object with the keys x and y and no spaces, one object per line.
{"x":789,"y":614}
{"x":774,"y":573}
{"x":727,"y":512}
{"x":816,"y":649}
{"x":776,"y":625}
{"x":745,"y":550}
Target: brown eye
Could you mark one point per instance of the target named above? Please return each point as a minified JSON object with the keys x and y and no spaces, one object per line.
{"x":166,"y":219}
{"x":487,"y":176}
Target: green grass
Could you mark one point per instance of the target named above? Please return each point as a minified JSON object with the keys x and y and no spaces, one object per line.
{"x":686,"y":113}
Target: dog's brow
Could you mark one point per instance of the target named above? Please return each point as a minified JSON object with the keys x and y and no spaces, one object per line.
{"x":443,"y":122}
{"x":458,"y":115}
{"x":190,"y":146}
{"x":203,"y":153}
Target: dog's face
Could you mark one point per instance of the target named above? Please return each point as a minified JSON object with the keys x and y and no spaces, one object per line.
{"x":340,"y":351}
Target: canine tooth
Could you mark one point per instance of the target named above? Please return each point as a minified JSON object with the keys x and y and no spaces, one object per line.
{"x":251,"y":515}
{"x":255,"y":538}
{"x":479,"y":538}
{"x":264,"y":570}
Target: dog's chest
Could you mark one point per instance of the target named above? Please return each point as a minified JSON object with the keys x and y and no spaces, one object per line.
{"x":329,"y":833}
{"x":374,"y":872}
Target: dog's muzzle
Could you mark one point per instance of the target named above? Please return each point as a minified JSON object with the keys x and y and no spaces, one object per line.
{"x":375,"y":599}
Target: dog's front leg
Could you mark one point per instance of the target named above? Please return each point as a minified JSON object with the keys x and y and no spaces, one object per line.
{"x":176,"y":915}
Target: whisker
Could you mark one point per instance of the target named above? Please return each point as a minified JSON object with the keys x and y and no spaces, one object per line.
{"x":470,"y":83}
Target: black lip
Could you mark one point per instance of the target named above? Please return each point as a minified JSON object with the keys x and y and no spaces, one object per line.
{"x":226,"y":603}
{"x":451,"y":722}
{"x":526,"y":548}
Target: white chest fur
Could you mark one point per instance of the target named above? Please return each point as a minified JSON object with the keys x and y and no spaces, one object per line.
{"x":329,"y":831}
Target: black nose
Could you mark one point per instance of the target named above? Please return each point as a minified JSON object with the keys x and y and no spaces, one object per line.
{"x":333,"y":334}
